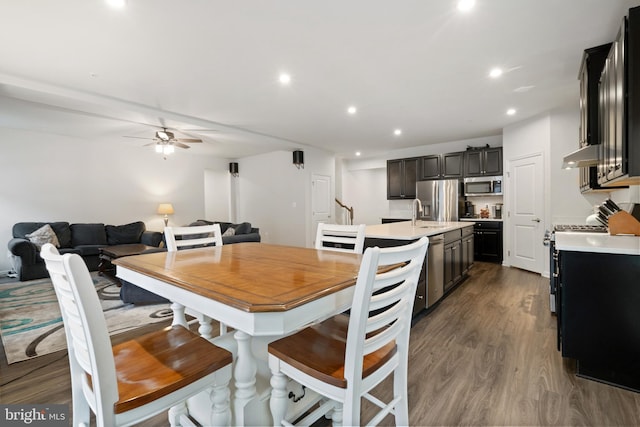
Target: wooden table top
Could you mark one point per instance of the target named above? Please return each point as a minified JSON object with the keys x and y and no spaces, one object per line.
{"x":253,"y":277}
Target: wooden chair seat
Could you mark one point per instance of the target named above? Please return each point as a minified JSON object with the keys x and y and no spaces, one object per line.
{"x":319,"y":351}
{"x":154,"y":365}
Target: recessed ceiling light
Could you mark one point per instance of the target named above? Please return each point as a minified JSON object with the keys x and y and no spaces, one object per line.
{"x":357,"y":153}
{"x":495,"y":73}
{"x":511,"y":111}
{"x":397,"y":132}
{"x":117,"y":3}
{"x":352,"y":110}
{"x":285,"y":78}
{"x":466,"y":5}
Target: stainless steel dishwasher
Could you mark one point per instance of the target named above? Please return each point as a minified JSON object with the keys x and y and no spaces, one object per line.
{"x":435,"y":269}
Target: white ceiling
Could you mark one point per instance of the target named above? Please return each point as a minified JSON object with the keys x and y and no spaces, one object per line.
{"x":210,"y":67}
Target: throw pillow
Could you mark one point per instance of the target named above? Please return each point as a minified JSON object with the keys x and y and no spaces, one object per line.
{"x":229,"y":232}
{"x":42,"y":235}
{"x":242,"y":228}
{"x":125,"y":234}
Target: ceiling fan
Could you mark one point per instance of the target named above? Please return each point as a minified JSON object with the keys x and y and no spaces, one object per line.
{"x":165,"y":141}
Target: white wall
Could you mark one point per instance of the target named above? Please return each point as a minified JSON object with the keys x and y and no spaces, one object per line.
{"x":218,"y":202}
{"x":274,"y":195}
{"x":48,"y":177}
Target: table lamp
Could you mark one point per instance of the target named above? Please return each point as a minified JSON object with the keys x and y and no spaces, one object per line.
{"x":165,"y":209}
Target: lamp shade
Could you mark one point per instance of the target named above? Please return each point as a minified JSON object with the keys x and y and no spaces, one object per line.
{"x":165,"y":209}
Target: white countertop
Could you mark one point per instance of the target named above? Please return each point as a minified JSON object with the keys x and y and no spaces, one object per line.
{"x":597,"y":242}
{"x":405,"y":231}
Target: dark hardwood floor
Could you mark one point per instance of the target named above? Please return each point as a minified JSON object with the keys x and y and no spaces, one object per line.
{"x":486,"y":356}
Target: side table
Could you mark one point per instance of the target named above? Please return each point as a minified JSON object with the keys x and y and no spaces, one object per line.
{"x":109,"y":253}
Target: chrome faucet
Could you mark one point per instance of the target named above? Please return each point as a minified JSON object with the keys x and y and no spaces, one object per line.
{"x":413,"y":210}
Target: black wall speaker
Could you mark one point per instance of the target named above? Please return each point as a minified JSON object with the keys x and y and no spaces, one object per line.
{"x":233,"y":169}
{"x":298,"y":159}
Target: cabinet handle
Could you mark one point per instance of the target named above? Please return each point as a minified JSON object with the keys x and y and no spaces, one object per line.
{"x":536,"y":220}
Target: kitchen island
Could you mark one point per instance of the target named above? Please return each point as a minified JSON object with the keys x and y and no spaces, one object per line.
{"x":406,"y":231}
{"x":448,"y":261}
{"x":598,"y":300}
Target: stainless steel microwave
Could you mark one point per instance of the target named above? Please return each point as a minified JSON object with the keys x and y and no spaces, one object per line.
{"x":483,"y":186}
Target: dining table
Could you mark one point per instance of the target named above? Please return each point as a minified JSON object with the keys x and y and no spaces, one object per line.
{"x":262,"y":291}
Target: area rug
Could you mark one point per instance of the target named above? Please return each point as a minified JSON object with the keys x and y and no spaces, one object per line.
{"x":31,"y":323}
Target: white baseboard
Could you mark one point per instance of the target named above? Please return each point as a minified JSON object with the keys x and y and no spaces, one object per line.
{"x":7,"y":273}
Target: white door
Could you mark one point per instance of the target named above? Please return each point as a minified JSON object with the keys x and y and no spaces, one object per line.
{"x":526,"y":213}
{"x":321,"y":202}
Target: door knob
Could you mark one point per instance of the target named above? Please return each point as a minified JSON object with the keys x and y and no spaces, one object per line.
{"x":536,"y":220}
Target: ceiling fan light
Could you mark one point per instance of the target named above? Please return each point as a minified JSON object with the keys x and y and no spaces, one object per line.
{"x":158,"y":148}
{"x":168,"y":149}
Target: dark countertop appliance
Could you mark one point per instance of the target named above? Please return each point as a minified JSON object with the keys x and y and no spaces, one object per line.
{"x":469,"y":210}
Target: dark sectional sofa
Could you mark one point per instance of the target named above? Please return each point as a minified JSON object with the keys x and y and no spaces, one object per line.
{"x":83,"y":239}
{"x":243,"y":232}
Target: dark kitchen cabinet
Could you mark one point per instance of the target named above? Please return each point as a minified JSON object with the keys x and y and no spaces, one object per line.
{"x":488,"y":241}
{"x":599,"y":320}
{"x":593,"y":61}
{"x":452,"y":258}
{"x":467,"y":248}
{"x":440,"y":166}
{"x":402,"y":175}
{"x":619,"y":108}
{"x":483,"y":162}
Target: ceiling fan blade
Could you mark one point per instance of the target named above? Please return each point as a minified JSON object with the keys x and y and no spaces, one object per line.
{"x":151,"y":143}
{"x":178,"y":144}
{"x":190,"y":140}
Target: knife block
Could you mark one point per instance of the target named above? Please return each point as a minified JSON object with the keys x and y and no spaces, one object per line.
{"x":623,"y":223}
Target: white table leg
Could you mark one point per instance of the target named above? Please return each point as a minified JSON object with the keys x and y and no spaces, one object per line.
{"x":178,"y":315}
{"x":205,"y":328}
{"x":279,"y":400}
{"x":245,"y":376}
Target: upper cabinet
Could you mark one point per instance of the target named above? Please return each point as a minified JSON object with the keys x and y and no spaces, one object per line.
{"x":402,"y":175}
{"x":593,"y":61}
{"x":486,"y":161}
{"x":441,"y":166}
{"x":619,"y":108}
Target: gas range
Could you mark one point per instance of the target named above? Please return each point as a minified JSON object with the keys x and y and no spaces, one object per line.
{"x":580,"y":228}
{"x":550,"y":241}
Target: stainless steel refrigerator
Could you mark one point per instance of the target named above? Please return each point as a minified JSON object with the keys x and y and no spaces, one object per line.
{"x":440,"y":199}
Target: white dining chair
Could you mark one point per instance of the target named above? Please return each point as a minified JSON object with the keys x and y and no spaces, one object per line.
{"x":343,"y":358}
{"x":342,"y":238}
{"x":201,"y":235}
{"x":189,"y":237}
{"x":137,"y":379}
